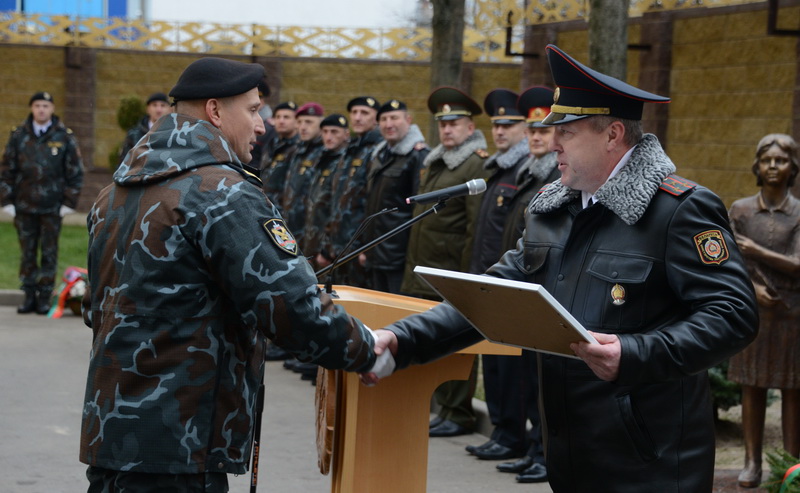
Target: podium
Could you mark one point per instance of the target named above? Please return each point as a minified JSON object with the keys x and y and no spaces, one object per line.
{"x":380,"y":433}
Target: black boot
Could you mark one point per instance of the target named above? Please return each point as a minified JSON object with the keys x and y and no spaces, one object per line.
{"x":43,"y":303}
{"x":29,"y":304}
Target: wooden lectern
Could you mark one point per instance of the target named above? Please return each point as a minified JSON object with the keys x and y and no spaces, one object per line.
{"x":380,"y":434}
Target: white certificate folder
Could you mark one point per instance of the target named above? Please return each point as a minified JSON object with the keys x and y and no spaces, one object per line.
{"x":515,"y":313}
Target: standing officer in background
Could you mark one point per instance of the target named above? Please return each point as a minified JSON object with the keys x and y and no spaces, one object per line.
{"x":647,"y":262}
{"x":444,"y":240}
{"x":275,"y":163}
{"x":393,"y":176}
{"x":157,"y":106}
{"x":298,"y":175}
{"x":191,"y":269}
{"x":262,"y":149}
{"x":350,"y":189}
{"x":319,"y":206}
{"x":40,"y":180}
{"x":538,"y":170}
{"x":502,"y":375}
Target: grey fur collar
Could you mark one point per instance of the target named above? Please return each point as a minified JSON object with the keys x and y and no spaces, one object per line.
{"x":453,"y":158}
{"x":540,"y":168}
{"x":628,"y":194}
{"x":406,"y":144}
{"x":509,"y":158}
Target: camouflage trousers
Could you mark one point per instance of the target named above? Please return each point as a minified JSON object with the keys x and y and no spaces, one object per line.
{"x":33,"y":231}
{"x":108,"y":481}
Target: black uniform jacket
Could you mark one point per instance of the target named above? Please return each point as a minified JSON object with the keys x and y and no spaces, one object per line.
{"x":685,"y":304}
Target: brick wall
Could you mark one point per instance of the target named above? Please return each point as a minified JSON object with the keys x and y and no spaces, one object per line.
{"x":730,"y":84}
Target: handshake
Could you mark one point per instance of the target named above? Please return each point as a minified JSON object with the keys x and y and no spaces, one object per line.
{"x":385,"y":346}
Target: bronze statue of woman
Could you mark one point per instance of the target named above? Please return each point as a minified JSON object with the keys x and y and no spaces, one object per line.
{"x":767,"y":228}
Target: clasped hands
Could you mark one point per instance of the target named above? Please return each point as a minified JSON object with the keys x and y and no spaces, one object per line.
{"x":603,"y":358}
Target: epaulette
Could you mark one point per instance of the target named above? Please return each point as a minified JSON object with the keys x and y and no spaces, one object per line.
{"x":482,"y":153}
{"x":420,"y":145}
{"x":677,"y":186}
{"x":69,"y":131}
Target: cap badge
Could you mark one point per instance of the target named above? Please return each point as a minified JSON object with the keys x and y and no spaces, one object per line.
{"x":47,"y":96}
{"x":370,"y":101}
{"x":395,"y":104}
{"x":501,"y":111}
{"x":446,"y":108}
{"x":292,"y":105}
{"x":556,"y":94}
{"x":312,"y":111}
{"x":538,"y":113}
{"x":618,"y":295}
{"x":342,"y":121}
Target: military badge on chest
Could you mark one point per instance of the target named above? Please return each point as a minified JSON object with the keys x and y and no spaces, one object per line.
{"x":711,"y":247}
{"x":280,"y":235}
{"x":618,"y":295}
{"x":54,"y":147}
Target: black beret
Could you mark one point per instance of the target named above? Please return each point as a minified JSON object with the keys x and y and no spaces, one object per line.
{"x":534,"y":103}
{"x":157,"y":96}
{"x":212,"y":77}
{"x":363,"y":101}
{"x":41,"y":96}
{"x":263,"y":89}
{"x":501,"y":106}
{"x":582,"y":92}
{"x":449,"y":103}
{"x":392,"y":105}
{"x":334,"y":120}
{"x":287,"y":105}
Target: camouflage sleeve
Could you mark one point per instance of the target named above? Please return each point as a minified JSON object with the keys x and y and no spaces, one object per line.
{"x":8,"y":172}
{"x":73,"y":173}
{"x":253,"y":256}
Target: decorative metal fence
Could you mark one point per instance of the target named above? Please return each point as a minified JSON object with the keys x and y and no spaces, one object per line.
{"x":484,"y":39}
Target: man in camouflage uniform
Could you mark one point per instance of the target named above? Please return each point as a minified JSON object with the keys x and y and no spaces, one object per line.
{"x":444,"y":240}
{"x":318,"y":206}
{"x":40,"y":180}
{"x":349,"y":188}
{"x":191,"y":269}
{"x":393,"y":176}
{"x":299,"y":173}
{"x":157,"y":106}
{"x":275,"y":163}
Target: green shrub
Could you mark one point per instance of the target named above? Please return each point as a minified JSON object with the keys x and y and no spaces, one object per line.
{"x":131,"y":110}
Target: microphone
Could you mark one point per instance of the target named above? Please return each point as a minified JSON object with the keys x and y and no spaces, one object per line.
{"x":472,"y":187}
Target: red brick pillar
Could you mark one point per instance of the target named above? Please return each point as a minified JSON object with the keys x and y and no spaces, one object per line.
{"x":655,"y":66}
{"x":79,"y":88}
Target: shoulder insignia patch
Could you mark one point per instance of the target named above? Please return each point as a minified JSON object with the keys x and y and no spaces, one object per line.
{"x":482,"y":153}
{"x":711,"y":247}
{"x":281,"y":235}
{"x":677,"y":186}
{"x":420,"y":145}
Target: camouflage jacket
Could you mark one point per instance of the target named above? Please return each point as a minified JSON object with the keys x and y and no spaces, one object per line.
{"x":318,"y":201}
{"x":350,"y":193}
{"x":274,"y":166}
{"x":299,"y":176}
{"x":133,"y":136}
{"x":40,"y":174}
{"x":190,"y":268}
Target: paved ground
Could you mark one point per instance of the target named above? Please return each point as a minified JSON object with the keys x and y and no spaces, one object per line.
{"x":43,"y":364}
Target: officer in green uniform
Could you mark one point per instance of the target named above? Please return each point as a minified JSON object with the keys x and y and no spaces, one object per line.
{"x":444,"y":240}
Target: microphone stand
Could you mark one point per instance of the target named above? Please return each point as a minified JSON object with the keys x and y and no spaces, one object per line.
{"x":368,"y":246}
